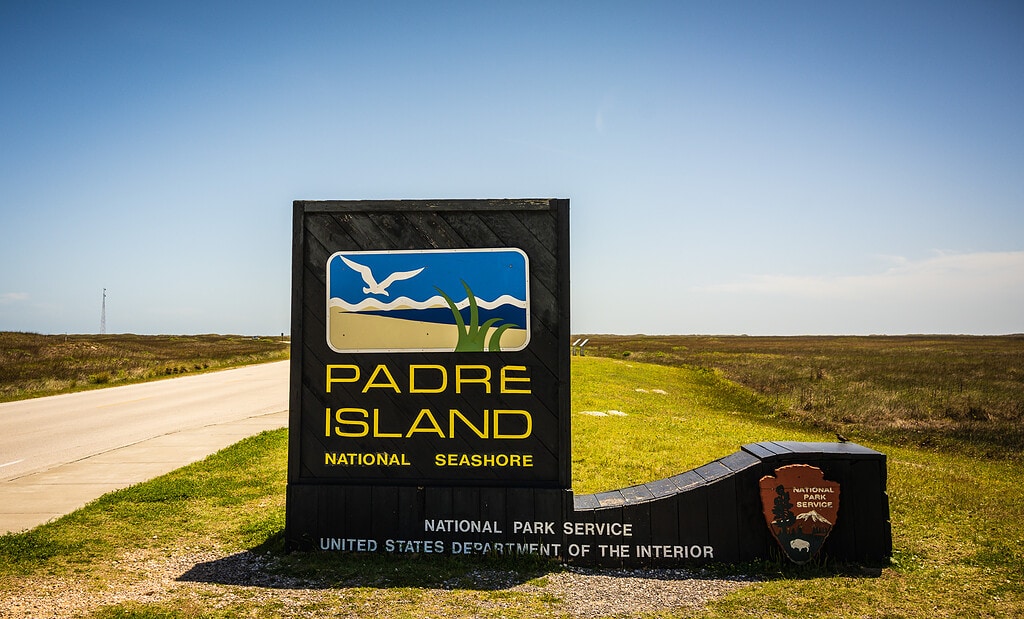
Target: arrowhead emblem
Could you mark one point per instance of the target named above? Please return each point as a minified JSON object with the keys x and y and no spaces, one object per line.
{"x":801,"y":507}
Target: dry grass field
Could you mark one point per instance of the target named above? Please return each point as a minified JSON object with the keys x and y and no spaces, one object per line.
{"x":955,"y":393}
{"x":33,"y":365}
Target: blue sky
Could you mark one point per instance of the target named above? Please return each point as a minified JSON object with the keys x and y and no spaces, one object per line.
{"x":736,"y":167}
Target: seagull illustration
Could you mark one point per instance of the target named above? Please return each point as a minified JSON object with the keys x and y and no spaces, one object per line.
{"x":372,"y":287}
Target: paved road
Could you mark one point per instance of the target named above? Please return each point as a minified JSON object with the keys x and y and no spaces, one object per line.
{"x":58,"y":453}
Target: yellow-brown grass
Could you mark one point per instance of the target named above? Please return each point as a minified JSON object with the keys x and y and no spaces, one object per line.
{"x":934,"y":391}
{"x":33,"y":365}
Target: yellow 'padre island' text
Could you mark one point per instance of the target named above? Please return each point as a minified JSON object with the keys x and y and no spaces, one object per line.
{"x":428,"y":378}
{"x":433,"y":378}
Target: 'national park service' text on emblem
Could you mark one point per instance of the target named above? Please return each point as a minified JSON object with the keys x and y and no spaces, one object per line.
{"x":800,"y":507}
{"x":457,"y":300}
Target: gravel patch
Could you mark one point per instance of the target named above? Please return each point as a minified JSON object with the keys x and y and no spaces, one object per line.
{"x":219,"y":581}
{"x":588,"y":593}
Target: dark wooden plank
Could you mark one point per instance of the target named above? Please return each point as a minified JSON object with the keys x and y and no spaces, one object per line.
{"x":759,"y":450}
{"x":436,"y":230}
{"x":638,"y":515}
{"x":372,"y":206}
{"x":616,"y":549}
{"x":575,"y":544}
{"x":520,"y":505}
{"x":713,"y":471}
{"x":740,"y":461}
{"x":295,"y":367}
{"x":753,"y":538}
{"x":308,"y":438}
{"x":664,"y":524}
{"x":843,"y":449}
{"x":466,"y":503}
{"x":543,"y":226}
{"x":384,"y":504}
{"x":806,"y":448}
{"x":583,"y":502}
{"x":331,"y":510}
{"x":842,"y":541}
{"x":723,"y":520}
{"x":438,"y":502}
{"x":636,"y":494}
{"x":493,"y":507}
{"x":662,"y":488}
{"x":302,"y":517}
{"x":326,"y":235}
{"x":411,"y":512}
{"x":612,"y":498}
{"x":369,"y":235}
{"x":687,"y":480}
{"x":550,"y":505}
{"x":776,"y":448}
{"x":864,"y":500}
{"x":358,"y":514}
{"x":692,"y":507}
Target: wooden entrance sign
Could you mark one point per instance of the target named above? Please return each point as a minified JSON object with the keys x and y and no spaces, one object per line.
{"x":430,"y":413}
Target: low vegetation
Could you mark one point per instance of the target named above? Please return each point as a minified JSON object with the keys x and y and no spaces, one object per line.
{"x":957,"y":513}
{"x":952,"y":393}
{"x":33,"y":365}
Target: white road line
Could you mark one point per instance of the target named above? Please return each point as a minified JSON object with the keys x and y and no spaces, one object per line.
{"x":11,"y":463}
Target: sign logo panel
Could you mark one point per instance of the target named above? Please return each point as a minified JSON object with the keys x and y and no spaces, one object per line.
{"x":454,"y":300}
{"x":801,"y":507}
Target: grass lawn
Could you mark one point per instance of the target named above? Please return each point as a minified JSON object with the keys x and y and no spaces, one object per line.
{"x":957,"y":521}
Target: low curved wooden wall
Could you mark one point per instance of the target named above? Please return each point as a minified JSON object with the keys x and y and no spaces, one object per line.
{"x":710,"y":514}
{"x":718,"y":507}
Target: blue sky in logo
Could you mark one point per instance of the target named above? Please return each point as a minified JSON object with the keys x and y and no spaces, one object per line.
{"x":489,"y":274}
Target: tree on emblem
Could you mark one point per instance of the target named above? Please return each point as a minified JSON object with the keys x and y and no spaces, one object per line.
{"x":784,"y":517}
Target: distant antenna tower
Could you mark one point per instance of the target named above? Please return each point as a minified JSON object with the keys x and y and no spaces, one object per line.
{"x":103,"y":314}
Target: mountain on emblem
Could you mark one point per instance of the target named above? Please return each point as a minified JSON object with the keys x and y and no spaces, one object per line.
{"x":459,"y":300}
{"x":800,"y":507}
{"x":813,"y":516}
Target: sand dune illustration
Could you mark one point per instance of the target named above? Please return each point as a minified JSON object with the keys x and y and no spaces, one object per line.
{"x":358,"y":332}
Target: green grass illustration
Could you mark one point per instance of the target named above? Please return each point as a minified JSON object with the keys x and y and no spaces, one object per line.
{"x":472,"y":336}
